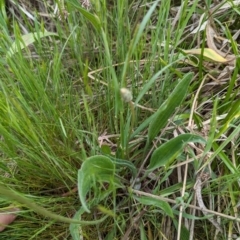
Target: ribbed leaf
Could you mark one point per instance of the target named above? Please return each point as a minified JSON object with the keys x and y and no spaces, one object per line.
{"x":94,"y":169}
{"x":166,"y":153}
{"x":167,"y":109}
{"x":157,"y":203}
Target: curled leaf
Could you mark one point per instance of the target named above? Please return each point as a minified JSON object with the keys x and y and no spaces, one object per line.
{"x":94,"y":169}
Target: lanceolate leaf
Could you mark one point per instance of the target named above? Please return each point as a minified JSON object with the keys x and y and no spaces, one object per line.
{"x":157,"y":203}
{"x":28,"y":39}
{"x":94,"y":169}
{"x":166,"y":153}
{"x":167,"y":109}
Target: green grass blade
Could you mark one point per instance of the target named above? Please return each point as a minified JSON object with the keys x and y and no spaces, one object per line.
{"x":234,"y":113}
{"x":218,"y":149}
{"x":92,"y":18}
{"x":151,"y":81}
{"x":212,"y":131}
{"x":136,"y":39}
{"x":225,"y":159}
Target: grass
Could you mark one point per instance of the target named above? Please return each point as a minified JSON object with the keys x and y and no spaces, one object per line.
{"x":107,"y":125}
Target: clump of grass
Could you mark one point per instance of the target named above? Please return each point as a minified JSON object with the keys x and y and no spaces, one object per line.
{"x":70,"y":145}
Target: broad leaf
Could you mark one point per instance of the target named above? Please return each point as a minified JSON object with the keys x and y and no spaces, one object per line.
{"x":28,"y":39}
{"x":94,"y":169}
{"x":167,"y":152}
{"x":157,"y":203}
{"x":167,"y":109}
{"x":124,"y":163}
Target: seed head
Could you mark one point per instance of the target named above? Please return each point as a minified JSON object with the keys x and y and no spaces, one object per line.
{"x":126,"y":95}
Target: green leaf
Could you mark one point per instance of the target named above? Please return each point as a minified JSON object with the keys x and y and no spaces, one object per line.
{"x":94,"y":169}
{"x":124,"y":163}
{"x":212,"y":131}
{"x":136,"y":39}
{"x":233,"y":113}
{"x":150,"y":82}
{"x":184,"y":235}
{"x":167,"y":109}
{"x":105,"y":149}
{"x":92,"y":18}
{"x":75,"y":229}
{"x":225,"y":159}
{"x":142,"y":228}
{"x":28,"y":39}
{"x":157,"y":203}
{"x":167,"y":152}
